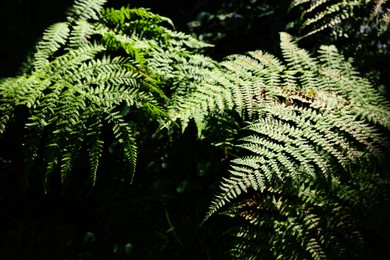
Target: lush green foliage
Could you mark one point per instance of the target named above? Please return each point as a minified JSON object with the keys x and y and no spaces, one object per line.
{"x":309,"y":220}
{"x":98,"y":67}
{"x":360,"y":29}
{"x":305,"y":135}
{"x":312,"y":126}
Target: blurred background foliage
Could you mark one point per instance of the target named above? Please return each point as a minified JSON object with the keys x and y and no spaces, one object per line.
{"x":359,"y":28}
{"x":159,"y":215}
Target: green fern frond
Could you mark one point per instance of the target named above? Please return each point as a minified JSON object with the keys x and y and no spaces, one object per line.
{"x":119,"y":17}
{"x":123,"y":134}
{"x":248,"y":82}
{"x":6,"y":115}
{"x":95,"y":144}
{"x":86,"y":9}
{"x":302,"y":123}
{"x":340,"y":77}
{"x":138,"y":21}
{"x":53,"y":39}
{"x":81,"y":33}
{"x":298,"y":59}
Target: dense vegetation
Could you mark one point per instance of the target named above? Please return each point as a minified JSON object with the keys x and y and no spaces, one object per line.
{"x":123,"y":137}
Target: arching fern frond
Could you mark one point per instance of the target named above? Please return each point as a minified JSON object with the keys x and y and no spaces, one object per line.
{"x":301,"y":123}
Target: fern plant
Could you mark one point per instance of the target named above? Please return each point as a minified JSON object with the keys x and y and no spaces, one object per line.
{"x":306,"y":136}
{"x":312,"y":127}
{"x":91,"y":71}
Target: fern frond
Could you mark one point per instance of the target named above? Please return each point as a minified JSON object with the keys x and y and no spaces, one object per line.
{"x":53,"y":39}
{"x":8,"y":88}
{"x":76,"y":57}
{"x":302,"y":124}
{"x":95,"y":144}
{"x":81,"y":33}
{"x":123,"y":134}
{"x":298,"y":59}
{"x":340,"y":77}
{"x":86,"y":9}
{"x":65,"y":140}
{"x":119,"y":17}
